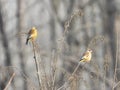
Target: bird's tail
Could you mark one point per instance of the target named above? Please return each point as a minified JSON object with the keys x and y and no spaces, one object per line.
{"x":27,"y":41}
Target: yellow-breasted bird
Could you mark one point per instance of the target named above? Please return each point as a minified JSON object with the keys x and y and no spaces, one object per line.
{"x":86,"y":56}
{"x":32,"y":35}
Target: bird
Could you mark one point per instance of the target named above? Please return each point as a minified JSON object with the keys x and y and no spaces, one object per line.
{"x":32,"y":35}
{"x":86,"y":56}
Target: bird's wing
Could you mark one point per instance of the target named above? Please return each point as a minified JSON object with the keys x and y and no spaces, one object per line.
{"x":31,"y":31}
{"x":85,"y":55}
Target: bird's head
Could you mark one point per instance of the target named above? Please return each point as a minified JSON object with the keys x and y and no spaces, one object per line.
{"x":34,"y":28}
{"x":89,"y":50}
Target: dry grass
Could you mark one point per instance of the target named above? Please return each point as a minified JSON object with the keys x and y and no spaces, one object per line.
{"x":71,"y":81}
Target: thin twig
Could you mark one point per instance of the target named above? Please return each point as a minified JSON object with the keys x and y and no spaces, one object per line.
{"x":116,"y":61}
{"x":44,"y":78}
{"x":76,"y":69}
{"x":63,"y":86}
{"x":54,"y":70}
{"x":37,"y":65}
{"x":116,"y":85}
{"x":9,"y":81}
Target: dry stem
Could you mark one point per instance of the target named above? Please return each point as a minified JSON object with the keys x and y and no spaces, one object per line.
{"x":9,"y":81}
{"x":37,"y":64}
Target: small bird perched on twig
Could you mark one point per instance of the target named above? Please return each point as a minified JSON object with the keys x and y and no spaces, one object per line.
{"x":86,"y":56}
{"x":32,"y":35}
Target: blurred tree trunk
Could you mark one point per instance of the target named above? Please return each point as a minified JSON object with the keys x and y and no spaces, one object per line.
{"x":5,"y":43}
{"x":118,"y":48}
{"x":20,"y":26}
{"x":52,"y":33}
{"x":109,"y":30}
{"x":110,"y":26}
{"x":109,"y":21}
